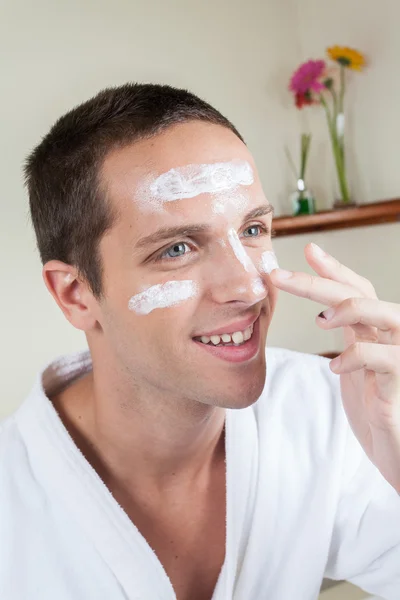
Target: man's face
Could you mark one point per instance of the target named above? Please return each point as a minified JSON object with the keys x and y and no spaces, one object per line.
{"x":165,"y":290}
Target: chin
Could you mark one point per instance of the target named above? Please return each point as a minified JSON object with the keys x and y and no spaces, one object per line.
{"x":242,"y":394}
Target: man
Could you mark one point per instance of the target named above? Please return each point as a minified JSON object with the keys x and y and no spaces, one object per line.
{"x":162,"y":463}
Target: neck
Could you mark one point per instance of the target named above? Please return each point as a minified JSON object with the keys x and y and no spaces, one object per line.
{"x":134,"y":437}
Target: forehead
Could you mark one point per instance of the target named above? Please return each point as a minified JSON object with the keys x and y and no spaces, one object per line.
{"x":192,"y":142}
{"x":128,"y":172}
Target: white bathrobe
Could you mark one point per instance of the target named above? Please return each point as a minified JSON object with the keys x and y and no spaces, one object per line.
{"x":303,"y":501}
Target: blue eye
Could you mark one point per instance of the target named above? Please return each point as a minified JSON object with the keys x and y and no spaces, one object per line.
{"x":176,"y":250}
{"x":255,"y":229}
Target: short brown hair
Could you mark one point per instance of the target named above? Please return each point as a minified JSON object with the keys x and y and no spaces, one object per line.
{"x":69,"y":212}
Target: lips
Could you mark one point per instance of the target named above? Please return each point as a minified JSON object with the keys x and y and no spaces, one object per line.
{"x":231,"y":328}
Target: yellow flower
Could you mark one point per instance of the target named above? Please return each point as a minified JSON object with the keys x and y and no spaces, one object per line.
{"x":348,"y":57}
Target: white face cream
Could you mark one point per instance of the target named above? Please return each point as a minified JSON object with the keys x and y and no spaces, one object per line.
{"x":163,"y":295}
{"x":191,"y":180}
{"x":239,"y":250}
{"x":258,"y":287}
{"x":236,"y":200}
{"x":268,"y":262}
{"x":241,"y":290}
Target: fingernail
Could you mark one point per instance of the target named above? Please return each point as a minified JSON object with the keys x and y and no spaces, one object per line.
{"x":327,"y":314}
{"x":318,"y":251}
{"x":282,"y":274}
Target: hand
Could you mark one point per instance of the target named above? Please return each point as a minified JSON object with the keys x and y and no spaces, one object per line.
{"x":369,"y":367}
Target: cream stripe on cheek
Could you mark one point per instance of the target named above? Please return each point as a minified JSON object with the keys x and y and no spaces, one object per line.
{"x":163,"y":295}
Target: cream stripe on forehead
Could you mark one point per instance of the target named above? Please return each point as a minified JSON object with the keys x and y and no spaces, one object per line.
{"x":191,"y":180}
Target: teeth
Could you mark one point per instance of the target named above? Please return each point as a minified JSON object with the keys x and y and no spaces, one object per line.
{"x":237,"y":337}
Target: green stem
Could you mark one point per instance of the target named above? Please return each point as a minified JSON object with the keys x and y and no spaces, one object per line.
{"x":335,"y":100}
{"x":338,"y":152}
{"x":342,"y":88}
{"x":305,"y":145}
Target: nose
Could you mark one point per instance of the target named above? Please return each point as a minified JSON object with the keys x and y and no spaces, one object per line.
{"x":234,"y":276}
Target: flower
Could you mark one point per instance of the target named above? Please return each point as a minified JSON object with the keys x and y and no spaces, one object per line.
{"x":304,"y":100}
{"x":316,"y":83}
{"x":306,"y":78}
{"x":347,"y":57}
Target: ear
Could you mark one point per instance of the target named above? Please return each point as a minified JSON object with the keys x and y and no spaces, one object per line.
{"x":72,"y":294}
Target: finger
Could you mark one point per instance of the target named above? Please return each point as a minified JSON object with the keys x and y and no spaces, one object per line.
{"x":329,"y":267}
{"x":367,"y":316}
{"x":373,"y":357}
{"x":318,"y":289}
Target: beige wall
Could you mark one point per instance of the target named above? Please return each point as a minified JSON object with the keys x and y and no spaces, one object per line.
{"x":371,"y":251}
{"x":238,"y":55}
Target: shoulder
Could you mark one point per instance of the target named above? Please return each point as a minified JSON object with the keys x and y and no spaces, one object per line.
{"x":14,"y":468}
{"x":19,"y":435}
{"x":10,"y":438}
{"x":13,"y":454}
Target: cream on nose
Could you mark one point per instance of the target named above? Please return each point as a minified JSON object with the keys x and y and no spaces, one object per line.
{"x":268,"y":262}
{"x":239,"y":251}
{"x":258,"y":287}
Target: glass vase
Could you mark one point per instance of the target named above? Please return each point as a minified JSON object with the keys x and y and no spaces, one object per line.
{"x":338,"y":147}
{"x":302,"y":201}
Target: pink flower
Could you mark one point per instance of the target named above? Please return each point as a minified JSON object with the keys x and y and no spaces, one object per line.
{"x":307,"y":78}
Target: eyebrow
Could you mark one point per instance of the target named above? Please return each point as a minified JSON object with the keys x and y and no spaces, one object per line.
{"x":166,"y":233}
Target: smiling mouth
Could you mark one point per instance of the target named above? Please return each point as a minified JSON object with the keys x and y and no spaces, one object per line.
{"x":233,"y":347}
{"x":227,"y":339}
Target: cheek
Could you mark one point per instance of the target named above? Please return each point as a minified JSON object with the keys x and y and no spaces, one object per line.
{"x":163,"y":314}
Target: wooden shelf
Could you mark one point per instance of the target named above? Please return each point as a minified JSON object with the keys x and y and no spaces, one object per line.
{"x":386,"y":211}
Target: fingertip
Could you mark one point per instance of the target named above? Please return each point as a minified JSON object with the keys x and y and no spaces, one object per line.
{"x":281,"y":274}
{"x":334,"y":365}
{"x":317,"y":251}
